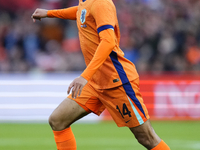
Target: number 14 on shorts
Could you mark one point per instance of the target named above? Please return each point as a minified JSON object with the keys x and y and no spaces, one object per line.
{"x":124,"y":110}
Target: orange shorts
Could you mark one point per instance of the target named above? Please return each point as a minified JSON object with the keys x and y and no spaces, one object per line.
{"x":124,"y":103}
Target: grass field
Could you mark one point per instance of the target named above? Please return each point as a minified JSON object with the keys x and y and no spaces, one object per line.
{"x":179,"y":135}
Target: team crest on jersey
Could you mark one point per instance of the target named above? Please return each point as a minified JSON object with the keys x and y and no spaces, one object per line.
{"x":83,"y":14}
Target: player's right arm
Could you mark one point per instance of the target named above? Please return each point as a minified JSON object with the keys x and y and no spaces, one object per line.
{"x":67,"y":13}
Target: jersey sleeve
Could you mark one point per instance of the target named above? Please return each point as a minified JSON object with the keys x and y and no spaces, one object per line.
{"x":104,"y":13}
{"x":67,"y":13}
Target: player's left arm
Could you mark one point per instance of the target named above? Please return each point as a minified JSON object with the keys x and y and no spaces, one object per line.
{"x":105,"y":28}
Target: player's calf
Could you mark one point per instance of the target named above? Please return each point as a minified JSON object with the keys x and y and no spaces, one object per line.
{"x":145,"y":135}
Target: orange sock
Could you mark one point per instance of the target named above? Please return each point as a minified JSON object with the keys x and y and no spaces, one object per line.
{"x":161,"y":146}
{"x":65,"y":139}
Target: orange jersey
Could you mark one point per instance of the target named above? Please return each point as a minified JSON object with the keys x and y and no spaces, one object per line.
{"x":105,"y":68}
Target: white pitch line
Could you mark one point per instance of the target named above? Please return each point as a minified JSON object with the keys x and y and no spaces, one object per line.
{"x":33,"y":94}
{"x":23,"y":118}
{"x":176,"y":93}
{"x":28,"y":106}
{"x":177,"y":106}
{"x":52,"y":106}
{"x":90,"y":117}
{"x":35,"y":82}
{"x":64,"y":94}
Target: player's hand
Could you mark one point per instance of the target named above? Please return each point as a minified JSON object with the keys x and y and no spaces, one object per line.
{"x":77,"y":86}
{"x":39,"y":14}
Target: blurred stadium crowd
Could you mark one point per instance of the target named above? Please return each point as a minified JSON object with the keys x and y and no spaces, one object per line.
{"x":157,"y":35}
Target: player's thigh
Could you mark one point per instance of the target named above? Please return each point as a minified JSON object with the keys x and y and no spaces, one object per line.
{"x":65,"y":114}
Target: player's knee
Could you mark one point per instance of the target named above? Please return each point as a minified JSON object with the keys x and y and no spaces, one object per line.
{"x":56,"y":123}
{"x":53,"y":122}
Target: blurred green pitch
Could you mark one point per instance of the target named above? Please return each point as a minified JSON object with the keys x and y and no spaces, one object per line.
{"x":179,"y":135}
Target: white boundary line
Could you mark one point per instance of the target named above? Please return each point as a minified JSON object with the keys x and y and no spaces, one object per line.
{"x":53,"y":106}
{"x":89,"y":117}
{"x":177,"y":106}
{"x":33,"y":94}
{"x":35,"y":82}
{"x":176,"y":93}
{"x":28,"y":106}
{"x":64,"y":94}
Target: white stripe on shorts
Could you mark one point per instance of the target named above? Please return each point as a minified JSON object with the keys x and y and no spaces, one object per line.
{"x":139,"y":118}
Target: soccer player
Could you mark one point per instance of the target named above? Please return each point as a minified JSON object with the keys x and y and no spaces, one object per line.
{"x":109,"y":80}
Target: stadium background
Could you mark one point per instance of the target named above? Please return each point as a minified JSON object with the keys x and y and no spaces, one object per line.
{"x":39,"y":60}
